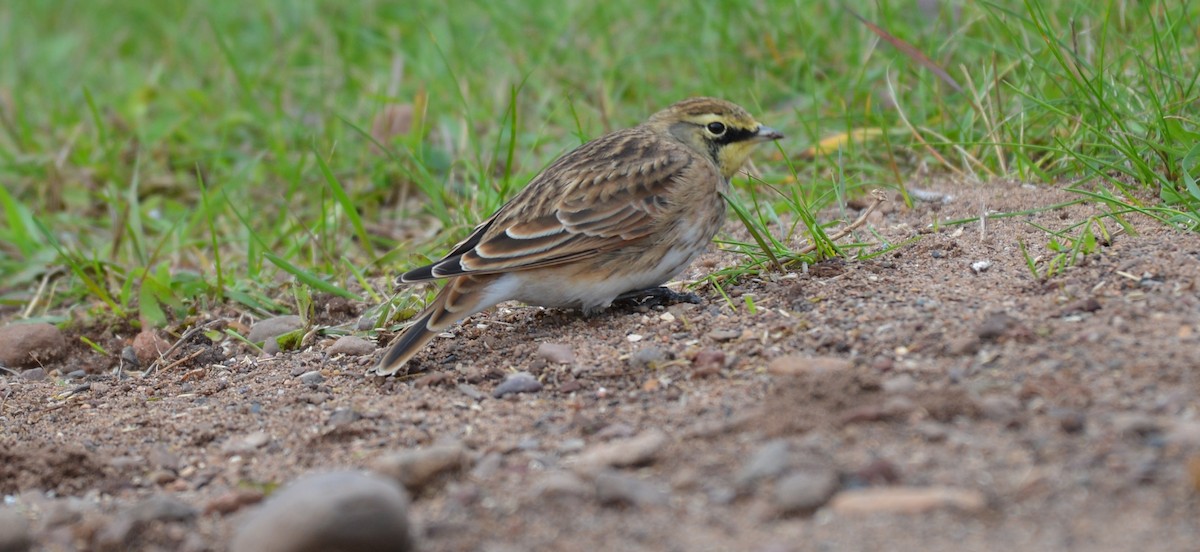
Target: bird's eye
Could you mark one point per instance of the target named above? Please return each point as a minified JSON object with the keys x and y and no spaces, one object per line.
{"x":716,"y":128}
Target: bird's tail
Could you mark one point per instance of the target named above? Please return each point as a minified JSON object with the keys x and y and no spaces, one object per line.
{"x":462,"y":297}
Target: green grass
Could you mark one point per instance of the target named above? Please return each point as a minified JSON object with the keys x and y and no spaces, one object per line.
{"x":160,"y":159}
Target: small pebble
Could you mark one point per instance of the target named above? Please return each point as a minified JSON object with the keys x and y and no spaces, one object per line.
{"x":560,"y":485}
{"x":770,"y":460}
{"x":1069,"y":420}
{"x":14,"y":531}
{"x":416,"y":469}
{"x":616,"y":430}
{"x":148,"y":346}
{"x":804,"y":491}
{"x":343,"y":416}
{"x":64,"y":511}
{"x":1091,"y":304}
{"x":330,"y":511}
{"x":1001,"y":408}
{"x":962,"y":345}
{"x":312,"y":377}
{"x":635,"y":451}
{"x":488,"y":466}
{"x":615,"y":488}
{"x":557,"y":353}
{"x":470,"y":391}
{"x":351,"y":345}
{"x":708,"y":362}
{"x":517,"y":382}
{"x":34,"y":374}
{"x":649,"y":357}
{"x":266,"y":330}
{"x":995,"y":326}
{"x":724,"y":335}
{"x":161,"y":477}
{"x":246,"y":444}
{"x":434,"y":378}
{"x":161,"y":457}
{"x":900,"y":384}
{"x":161,"y":508}
{"x":30,"y":345}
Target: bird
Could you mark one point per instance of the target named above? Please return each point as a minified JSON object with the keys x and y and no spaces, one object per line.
{"x":621,"y":213}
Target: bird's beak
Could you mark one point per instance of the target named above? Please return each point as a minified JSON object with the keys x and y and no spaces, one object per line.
{"x":766,"y":134}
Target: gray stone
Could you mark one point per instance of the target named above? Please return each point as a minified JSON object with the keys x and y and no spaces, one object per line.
{"x":649,"y":357}
{"x":805,"y":491}
{"x":351,"y":345}
{"x":343,"y":416}
{"x":331,"y":511}
{"x":161,"y":508}
{"x":999,"y":407}
{"x":724,"y":335}
{"x":470,"y":391}
{"x":518,"y":382}
{"x":635,"y":451}
{"x":63,"y":511}
{"x":616,"y":488}
{"x":488,"y":466}
{"x":996,"y":325}
{"x":14,"y":531}
{"x":561,"y":485}
{"x":270,"y":328}
{"x":161,"y":457}
{"x":770,"y":460}
{"x":28,"y":345}
{"x":556,"y":353}
{"x":246,"y":444}
{"x":311,"y":377}
{"x":34,"y":374}
{"x":901,"y":384}
{"x":417,"y":468}
{"x":120,"y":533}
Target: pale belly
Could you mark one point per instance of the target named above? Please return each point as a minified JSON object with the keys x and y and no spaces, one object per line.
{"x":573,"y":287}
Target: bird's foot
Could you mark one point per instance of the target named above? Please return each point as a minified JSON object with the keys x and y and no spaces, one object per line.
{"x":653,"y":297}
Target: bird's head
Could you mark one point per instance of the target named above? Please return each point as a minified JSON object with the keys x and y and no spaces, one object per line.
{"x":720,"y":130}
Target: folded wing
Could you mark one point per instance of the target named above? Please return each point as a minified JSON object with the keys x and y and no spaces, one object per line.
{"x":610,"y":192}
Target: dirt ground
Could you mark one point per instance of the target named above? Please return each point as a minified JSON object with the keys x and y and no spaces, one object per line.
{"x":1002,"y":412}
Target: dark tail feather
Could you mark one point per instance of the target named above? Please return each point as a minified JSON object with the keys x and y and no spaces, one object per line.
{"x":408,"y":344}
{"x":459,"y":299}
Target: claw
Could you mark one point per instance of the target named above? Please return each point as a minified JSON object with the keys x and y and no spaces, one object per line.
{"x":655,"y":296}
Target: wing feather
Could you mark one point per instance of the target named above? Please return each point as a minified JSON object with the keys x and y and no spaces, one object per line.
{"x":607,"y":193}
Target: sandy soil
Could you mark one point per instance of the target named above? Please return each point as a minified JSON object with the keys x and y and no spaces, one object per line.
{"x":1003,"y":412}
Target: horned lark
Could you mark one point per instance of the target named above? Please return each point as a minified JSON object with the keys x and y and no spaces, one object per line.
{"x":624,"y":212}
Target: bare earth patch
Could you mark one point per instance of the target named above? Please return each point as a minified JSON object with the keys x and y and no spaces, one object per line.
{"x":907,"y":402}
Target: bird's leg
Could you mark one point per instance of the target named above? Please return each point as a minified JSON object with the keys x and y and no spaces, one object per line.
{"x":655,"y":296}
